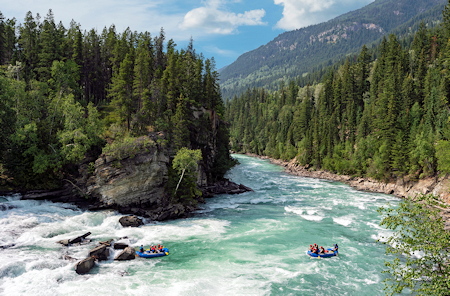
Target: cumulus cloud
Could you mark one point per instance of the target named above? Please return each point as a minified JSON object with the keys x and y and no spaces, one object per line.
{"x":213,"y":18}
{"x":302,"y":13}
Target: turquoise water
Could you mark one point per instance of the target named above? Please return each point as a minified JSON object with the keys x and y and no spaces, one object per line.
{"x":248,"y":244}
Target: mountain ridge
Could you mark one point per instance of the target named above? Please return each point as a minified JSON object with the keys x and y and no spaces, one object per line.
{"x":295,"y":53}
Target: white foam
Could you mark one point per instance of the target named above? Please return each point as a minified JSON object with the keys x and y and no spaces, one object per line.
{"x":306,"y":213}
{"x":344,"y":220}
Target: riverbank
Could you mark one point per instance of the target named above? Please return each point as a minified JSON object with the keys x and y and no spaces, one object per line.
{"x":439,"y":186}
{"x":403,"y":188}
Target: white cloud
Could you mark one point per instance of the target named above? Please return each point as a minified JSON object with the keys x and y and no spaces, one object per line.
{"x":302,"y":13}
{"x":214,"y":19}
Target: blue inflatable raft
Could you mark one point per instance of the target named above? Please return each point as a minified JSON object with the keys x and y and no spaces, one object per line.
{"x":331,"y":252}
{"x":148,"y":254}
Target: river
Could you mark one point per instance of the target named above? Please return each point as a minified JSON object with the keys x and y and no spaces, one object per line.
{"x":248,"y":244}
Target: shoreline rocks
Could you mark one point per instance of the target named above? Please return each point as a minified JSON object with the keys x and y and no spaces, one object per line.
{"x":402,"y":187}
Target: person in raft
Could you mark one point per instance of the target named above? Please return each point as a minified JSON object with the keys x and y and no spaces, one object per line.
{"x":156,"y":249}
{"x":141,"y":249}
{"x":314,"y":249}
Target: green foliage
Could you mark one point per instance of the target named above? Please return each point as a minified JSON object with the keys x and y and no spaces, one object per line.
{"x":443,"y":156}
{"x":7,"y":114}
{"x":420,"y":246}
{"x":128,"y":147}
{"x":422,"y":156}
{"x":185,"y":164}
{"x":79,"y":133}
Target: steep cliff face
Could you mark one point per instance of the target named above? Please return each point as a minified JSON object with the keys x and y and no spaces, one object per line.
{"x":131,"y":181}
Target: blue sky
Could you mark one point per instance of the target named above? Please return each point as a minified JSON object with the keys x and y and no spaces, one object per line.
{"x":223,"y":29}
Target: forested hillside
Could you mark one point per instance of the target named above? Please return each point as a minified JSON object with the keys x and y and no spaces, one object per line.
{"x":295,"y":53}
{"x":383,"y":118}
{"x":66,"y":93}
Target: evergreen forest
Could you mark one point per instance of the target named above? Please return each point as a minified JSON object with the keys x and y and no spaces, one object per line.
{"x":383,"y":113}
{"x":66,"y":95}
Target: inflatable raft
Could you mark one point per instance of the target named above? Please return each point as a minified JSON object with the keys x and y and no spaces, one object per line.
{"x":329,"y":253}
{"x":148,"y":254}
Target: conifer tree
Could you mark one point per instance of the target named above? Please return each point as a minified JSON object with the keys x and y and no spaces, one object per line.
{"x":28,"y":44}
{"x":121,"y":91}
{"x":3,"y":48}
{"x":49,"y":47}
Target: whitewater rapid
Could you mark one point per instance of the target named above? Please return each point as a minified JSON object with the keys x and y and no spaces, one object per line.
{"x":248,"y":244}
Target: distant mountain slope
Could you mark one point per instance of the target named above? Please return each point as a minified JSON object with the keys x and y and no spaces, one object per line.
{"x":297,"y":52}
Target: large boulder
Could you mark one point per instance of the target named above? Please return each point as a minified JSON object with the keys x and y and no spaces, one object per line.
{"x":127,"y":254}
{"x":85,"y":265}
{"x":130,"y":221}
{"x":100,"y":252}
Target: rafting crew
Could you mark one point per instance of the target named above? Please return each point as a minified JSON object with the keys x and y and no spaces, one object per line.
{"x":157,"y":249}
{"x":152,"y":249}
{"x":321,"y":250}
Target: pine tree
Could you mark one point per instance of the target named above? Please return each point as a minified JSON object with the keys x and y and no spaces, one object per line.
{"x":95,"y":70}
{"x":28,"y":45}
{"x":49,"y":47}
{"x":3,"y":43}
{"x":143,"y":79}
{"x":121,"y":91}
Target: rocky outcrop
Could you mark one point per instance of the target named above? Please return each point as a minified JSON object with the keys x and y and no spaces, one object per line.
{"x":133,"y":180}
{"x":224,"y":186}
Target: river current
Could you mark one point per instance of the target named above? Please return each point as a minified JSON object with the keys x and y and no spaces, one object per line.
{"x":249,"y":244}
